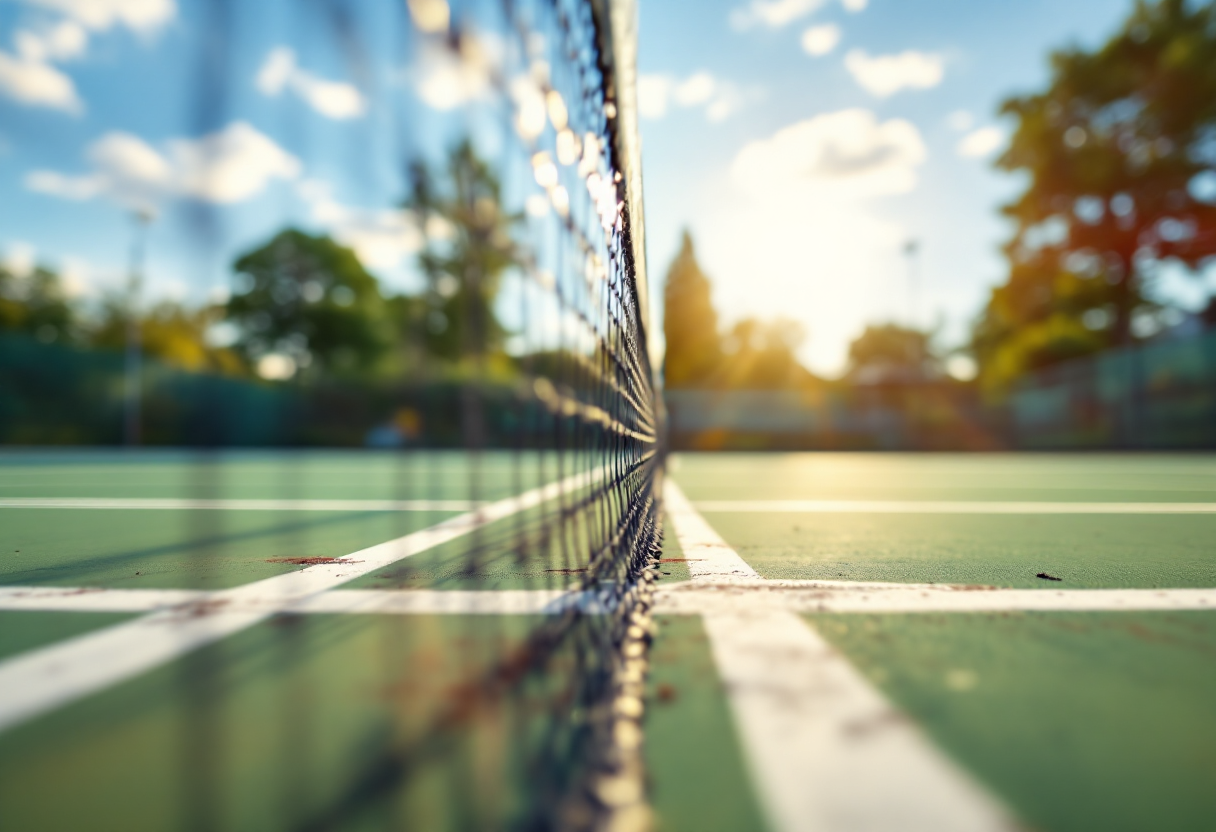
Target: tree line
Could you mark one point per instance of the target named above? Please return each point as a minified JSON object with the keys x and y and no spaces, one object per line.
{"x":1119,"y":156}
{"x":307,"y":301}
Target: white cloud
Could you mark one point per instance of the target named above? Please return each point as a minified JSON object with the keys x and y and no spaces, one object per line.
{"x":65,"y":41}
{"x":960,"y":120}
{"x":885,"y":75}
{"x":846,"y":153}
{"x":228,"y":166}
{"x":820,"y":40}
{"x":698,"y":88}
{"x":76,"y":188}
{"x":332,"y":99}
{"x":981,"y":142}
{"x":29,"y":78}
{"x":653,"y":92}
{"x":446,"y":79}
{"x":778,"y":13}
{"x":381,"y":238}
{"x":37,"y":84}
{"x":99,"y":15}
{"x":772,"y":13}
{"x":657,"y":93}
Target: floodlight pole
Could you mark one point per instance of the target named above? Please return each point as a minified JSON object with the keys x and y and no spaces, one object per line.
{"x":911,"y":249}
{"x":132,"y":404}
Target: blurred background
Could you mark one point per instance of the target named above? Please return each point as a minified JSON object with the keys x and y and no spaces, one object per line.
{"x":871,"y":225}
{"x":934,"y":225}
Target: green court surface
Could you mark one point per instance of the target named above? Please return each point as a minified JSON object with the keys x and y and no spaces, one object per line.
{"x":1073,"y":720}
{"x":290,"y":722}
{"x":1079,"y":720}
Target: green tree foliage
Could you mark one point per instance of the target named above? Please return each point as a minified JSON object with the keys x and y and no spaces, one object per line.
{"x":169,"y":333}
{"x":761,"y":355}
{"x":468,"y":248}
{"x":1120,"y":154}
{"x":690,"y":324}
{"x":309,"y":298}
{"x":893,"y":353}
{"x":36,"y":305}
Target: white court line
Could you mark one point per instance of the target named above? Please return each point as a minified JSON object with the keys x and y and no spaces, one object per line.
{"x":827,"y":752}
{"x":441,"y":602}
{"x":709,"y":557}
{"x":73,"y":599}
{"x":841,"y":597}
{"x":41,"y":680}
{"x":686,"y":598}
{"x":143,"y":503}
{"x":947,"y":507}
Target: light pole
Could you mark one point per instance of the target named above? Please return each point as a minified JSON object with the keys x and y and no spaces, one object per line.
{"x":134,"y":352}
{"x":911,"y":249}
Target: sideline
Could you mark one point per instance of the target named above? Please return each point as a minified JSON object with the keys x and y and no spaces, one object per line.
{"x":826,"y":751}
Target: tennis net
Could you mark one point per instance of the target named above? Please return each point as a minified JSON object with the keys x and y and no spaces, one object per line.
{"x":415,"y":228}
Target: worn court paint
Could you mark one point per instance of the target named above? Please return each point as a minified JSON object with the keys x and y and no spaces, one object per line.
{"x":89,"y":599}
{"x":826,"y":750}
{"x":828,"y":753}
{"x":42,"y":680}
{"x":157,"y":504}
{"x":708,"y":556}
{"x":947,"y":507}
{"x":845,"y":597}
{"x":686,"y":598}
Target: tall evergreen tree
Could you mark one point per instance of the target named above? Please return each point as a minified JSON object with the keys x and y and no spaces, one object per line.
{"x":690,"y":323}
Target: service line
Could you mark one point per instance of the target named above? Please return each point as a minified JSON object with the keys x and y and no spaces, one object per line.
{"x":946,"y":507}
{"x":167,"y":504}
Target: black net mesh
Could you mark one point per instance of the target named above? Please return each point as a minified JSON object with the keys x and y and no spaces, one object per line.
{"x":408,"y":237}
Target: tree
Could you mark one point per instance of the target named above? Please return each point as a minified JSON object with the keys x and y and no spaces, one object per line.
{"x":1120,"y":152}
{"x":169,"y":333}
{"x":311,"y":299}
{"x":36,"y":304}
{"x":759,"y":355}
{"x":690,"y":323}
{"x":893,"y":353}
{"x":468,"y":247}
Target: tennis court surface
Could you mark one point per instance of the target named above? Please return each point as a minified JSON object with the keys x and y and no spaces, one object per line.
{"x":298,"y":641}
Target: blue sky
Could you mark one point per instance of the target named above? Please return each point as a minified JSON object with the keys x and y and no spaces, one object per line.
{"x":226,"y":130}
{"x":111,"y":107}
{"x":828,"y":253}
{"x":803,"y":142}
